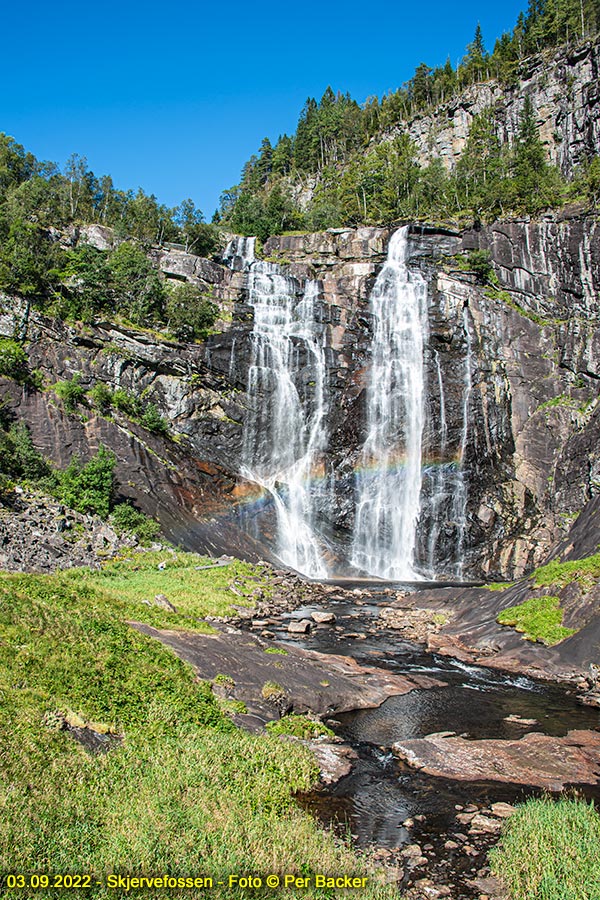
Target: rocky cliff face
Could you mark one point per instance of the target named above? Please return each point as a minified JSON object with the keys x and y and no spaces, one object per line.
{"x":511,"y":390}
{"x":564,"y":89}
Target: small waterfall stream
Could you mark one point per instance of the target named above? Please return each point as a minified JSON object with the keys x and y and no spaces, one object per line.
{"x":284,"y":433}
{"x":389,"y":482}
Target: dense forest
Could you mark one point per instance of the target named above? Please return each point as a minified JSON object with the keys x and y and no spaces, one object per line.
{"x":40,"y":206}
{"x":361,"y":167}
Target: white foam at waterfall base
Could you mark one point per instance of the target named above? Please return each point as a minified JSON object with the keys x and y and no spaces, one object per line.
{"x":284,"y":431}
{"x":388,"y":484}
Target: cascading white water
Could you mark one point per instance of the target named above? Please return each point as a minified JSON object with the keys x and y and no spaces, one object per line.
{"x":410,"y":517}
{"x":445,"y":483}
{"x":284,"y":433}
{"x":389,"y":481}
{"x":439,"y":486}
{"x":459,"y":504}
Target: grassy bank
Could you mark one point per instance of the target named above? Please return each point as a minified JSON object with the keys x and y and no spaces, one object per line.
{"x":538,"y":619}
{"x":181,"y":577}
{"x":584,"y":571}
{"x":181,"y":791}
{"x":550,"y":851}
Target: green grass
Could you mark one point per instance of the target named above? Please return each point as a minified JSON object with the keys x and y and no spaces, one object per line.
{"x":194,"y":592}
{"x":183,"y":792}
{"x":540,"y":619}
{"x":300,"y":727}
{"x":549,"y":851}
{"x":584,"y":571}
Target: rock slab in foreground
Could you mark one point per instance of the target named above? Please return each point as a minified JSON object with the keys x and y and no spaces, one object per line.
{"x":321,"y":683}
{"x":536,"y":759}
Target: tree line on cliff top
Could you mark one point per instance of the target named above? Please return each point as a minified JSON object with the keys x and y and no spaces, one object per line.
{"x":355,"y":164}
{"x":41,"y":261}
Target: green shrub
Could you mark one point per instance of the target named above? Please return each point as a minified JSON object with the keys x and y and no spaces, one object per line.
{"x":153,"y":421}
{"x":89,"y":487}
{"x":300,"y":727}
{"x":136,"y":283}
{"x":480,"y":263}
{"x":18,"y":457}
{"x":101,"y":397}
{"x":127,"y":402}
{"x":124,"y":518}
{"x":70,"y":392}
{"x":190,"y":313}
{"x":13,"y":360}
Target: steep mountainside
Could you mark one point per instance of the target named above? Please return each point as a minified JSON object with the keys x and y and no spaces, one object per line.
{"x":525,"y":432}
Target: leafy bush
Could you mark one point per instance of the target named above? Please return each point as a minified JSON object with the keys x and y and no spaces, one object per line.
{"x":300,"y":727}
{"x":480,"y":263}
{"x":86,"y":284}
{"x":189,"y":312}
{"x":18,"y":457}
{"x":127,"y":402}
{"x":70,"y":392}
{"x":124,"y":518}
{"x":153,"y":421}
{"x":101,"y":397}
{"x":89,"y":487}
{"x":13,"y":360}
{"x":138,"y":289}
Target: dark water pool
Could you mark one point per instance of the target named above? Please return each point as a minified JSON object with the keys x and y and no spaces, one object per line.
{"x":382,"y":792}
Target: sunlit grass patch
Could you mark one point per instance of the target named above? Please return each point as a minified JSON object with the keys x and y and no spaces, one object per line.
{"x":300,"y":727}
{"x":539,"y":619}
{"x":584,"y":571}
{"x":194,"y":591}
{"x":550,"y":851}
{"x":183,"y":791}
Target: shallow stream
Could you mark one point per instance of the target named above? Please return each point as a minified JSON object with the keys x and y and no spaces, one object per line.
{"x":382,"y":792}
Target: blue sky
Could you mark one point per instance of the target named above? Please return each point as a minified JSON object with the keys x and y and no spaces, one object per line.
{"x":175,"y":97}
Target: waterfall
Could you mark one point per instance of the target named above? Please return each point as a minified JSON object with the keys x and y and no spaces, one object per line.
{"x":438,"y":478}
{"x":388,"y":484}
{"x":459,"y":505}
{"x":443,"y":525}
{"x":410,"y":489}
{"x":284,"y":432}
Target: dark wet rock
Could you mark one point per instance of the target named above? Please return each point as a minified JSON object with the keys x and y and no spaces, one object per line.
{"x":312,"y":682}
{"x":93,"y":741}
{"x":536,"y":759}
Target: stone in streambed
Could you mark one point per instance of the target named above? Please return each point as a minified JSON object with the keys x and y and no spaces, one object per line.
{"x":321,"y":617}
{"x":537,"y":759}
{"x":502,"y":810}
{"x":302,"y":626}
{"x":481,"y":824}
